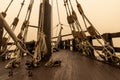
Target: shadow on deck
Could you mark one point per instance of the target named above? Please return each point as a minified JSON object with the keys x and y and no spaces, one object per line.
{"x":73,"y":67}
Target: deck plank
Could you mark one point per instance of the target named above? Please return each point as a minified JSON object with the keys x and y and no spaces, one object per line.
{"x":73,"y":67}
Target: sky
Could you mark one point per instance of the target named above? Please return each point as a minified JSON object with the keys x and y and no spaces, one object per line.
{"x":104,"y":14}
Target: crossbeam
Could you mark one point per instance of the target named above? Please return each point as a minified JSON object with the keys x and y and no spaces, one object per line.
{"x":62,"y":36}
{"x":33,"y":26}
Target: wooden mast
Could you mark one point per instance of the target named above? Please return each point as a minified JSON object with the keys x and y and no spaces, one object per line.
{"x":47,"y":26}
{"x":1,"y":35}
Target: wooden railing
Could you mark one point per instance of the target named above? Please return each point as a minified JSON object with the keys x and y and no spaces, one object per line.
{"x":71,"y":45}
{"x":66,"y":44}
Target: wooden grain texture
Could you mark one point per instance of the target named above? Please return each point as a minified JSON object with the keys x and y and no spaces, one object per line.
{"x":73,"y":67}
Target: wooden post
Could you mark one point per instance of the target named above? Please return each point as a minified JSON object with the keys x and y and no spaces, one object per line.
{"x":1,"y":34}
{"x":61,"y":45}
{"x":74,"y":45}
{"x":67,"y":44}
{"x":64,"y":44}
{"x":91,"y":50}
{"x":108,"y":38}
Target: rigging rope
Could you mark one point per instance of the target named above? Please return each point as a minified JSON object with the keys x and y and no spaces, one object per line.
{"x":13,"y":25}
{"x":16,"y":20}
{"x":58,"y":12}
{"x":59,"y":21}
{"x":27,"y":18}
{"x":22,"y":4}
{"x":93,"y":32}
{"x":79,"y":34}
{"x":20,"y":43}
{"x":4,"y":13}
{"x":25,"y":23}
{"x":69,"y":16}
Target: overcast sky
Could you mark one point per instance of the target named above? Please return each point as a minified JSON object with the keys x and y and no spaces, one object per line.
{"x":104,"y":14}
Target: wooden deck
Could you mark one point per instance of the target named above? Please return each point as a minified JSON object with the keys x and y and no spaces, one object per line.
{"x":73,"y":67}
